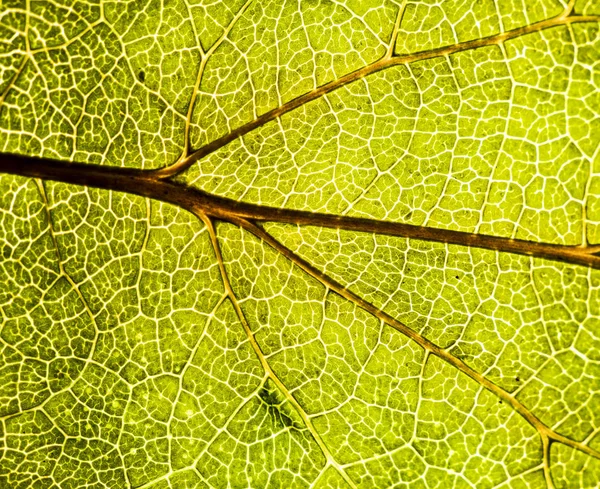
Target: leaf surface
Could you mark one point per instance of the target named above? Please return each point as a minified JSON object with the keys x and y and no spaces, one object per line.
{"x":317,"y":244}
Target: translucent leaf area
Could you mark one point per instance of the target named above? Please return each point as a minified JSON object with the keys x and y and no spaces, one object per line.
{"x":147,"y":344}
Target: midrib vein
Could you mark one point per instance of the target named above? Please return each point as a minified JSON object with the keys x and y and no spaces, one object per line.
{"x":138,"y":182}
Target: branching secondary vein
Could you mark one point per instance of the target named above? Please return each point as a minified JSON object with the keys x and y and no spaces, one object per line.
{"x":546,"y":433}
{"x":264,"y":362}
{"x":386,"y":62}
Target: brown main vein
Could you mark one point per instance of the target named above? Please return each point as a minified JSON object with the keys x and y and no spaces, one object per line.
{"x":139,"y":182}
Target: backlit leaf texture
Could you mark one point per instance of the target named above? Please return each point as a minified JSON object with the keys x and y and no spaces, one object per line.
{"x":313,"y":244}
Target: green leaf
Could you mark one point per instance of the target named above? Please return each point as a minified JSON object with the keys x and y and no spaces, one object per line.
{"x":314,"y":244}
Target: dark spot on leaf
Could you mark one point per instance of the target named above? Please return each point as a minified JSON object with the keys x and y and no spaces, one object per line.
{"x":268,"y":397}
{"x":518,"y":379}
{"x":276,"y":408}
{"x":281,"y":418}
{"x":142,"y":76}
